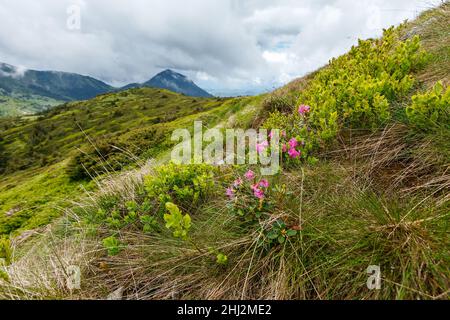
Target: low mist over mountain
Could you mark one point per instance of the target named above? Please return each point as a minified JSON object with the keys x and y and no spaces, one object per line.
{"x":25,"y":91}
{"x":56,"y":85}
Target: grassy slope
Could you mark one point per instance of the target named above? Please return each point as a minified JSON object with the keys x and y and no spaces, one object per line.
{"x":35,"y":183}
{"x":17,"y":106}
{"x":355,"y":208}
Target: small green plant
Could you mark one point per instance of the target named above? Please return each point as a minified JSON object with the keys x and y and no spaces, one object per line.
{"x":5,"y":250}
{"x":182,"y":184}
{"x":296,"y":141}
{"x":112,"y":244}
{"x":176,"y":221}
{"x":3,"y":275}
{"x":114,"y":220}
{"x":430,"y":110}
{"x":149,"y":224}
{"x":221,"y":259}
{"x":131,"y":215}
{"x":279,"y":233}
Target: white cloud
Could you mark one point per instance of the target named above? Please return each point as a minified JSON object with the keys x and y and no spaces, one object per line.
{"x":219,"y":43}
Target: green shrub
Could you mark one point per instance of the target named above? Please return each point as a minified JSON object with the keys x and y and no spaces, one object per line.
{"x":295,"y":137}
{"x":175,"y":220}
{"x":356,"y":89}
{"x":5,"y":250}
{"x":431,"y":109}
{"x":149,"y":224}
{"x":221,"y":259}
{"x":132,"y":214}
{"x":279,"y":232}
{"x":112,"y":244}
{"x":182,"y":184}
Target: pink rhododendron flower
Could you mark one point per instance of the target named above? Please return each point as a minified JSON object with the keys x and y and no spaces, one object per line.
{"x":293,"y":143}
{"x":258,"y":193}
{"x":283,"y":133}
{"x":284,"y":147}
{"x":304,"y":109}
{"x":260,"y":147}
{"x":264,"y":183}
{"x":237,"y":182}
{"x":230,"y":192}
{"x":250,"y":175}
{"x":294,"y":153}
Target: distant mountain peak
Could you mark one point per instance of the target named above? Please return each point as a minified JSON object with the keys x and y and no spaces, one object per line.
{"x":170,"y":72}
{"x":27,"y":85}
{"x":177,"y":82}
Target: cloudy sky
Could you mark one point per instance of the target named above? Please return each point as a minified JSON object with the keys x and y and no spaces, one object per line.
{"x":223,"y":45}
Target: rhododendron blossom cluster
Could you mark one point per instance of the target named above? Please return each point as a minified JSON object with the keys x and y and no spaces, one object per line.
{"x":293,"y":147}
{"x":304,"y":109}
{"x":258,"y":188}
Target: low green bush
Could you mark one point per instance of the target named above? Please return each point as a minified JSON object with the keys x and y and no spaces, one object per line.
{"x":5,"y":250}
{"x":112,"y":244}
{"x":185,"y":185}
{"x":254,"y":200}
{"x":430,"y":110}
{"x":356,"y":90}
{"x":176,"y":221}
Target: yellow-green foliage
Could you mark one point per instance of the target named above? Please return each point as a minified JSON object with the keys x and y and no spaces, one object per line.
{"x":356,"y":89}
{"x":431,"y":109}
{"x":5,"y":251}
{"x":23,"y":105}
{"x":182,"y":184}
{"x":126,"y":119}
{"x":175,"y":220}
{"x":112,"y":244}
{"x":32,"y":198}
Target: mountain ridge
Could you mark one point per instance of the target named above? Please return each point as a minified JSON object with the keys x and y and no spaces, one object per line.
{"x":28,"y":88}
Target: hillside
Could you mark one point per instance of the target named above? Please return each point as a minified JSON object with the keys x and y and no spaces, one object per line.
{"x":52,"y":84}
{"x":25,"y":92}
{"x":24,"y":105}
{"x":122,"y":127}
{"x":364,"y":185}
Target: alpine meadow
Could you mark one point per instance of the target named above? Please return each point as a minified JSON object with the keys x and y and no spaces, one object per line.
{"x":358,"y":210}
